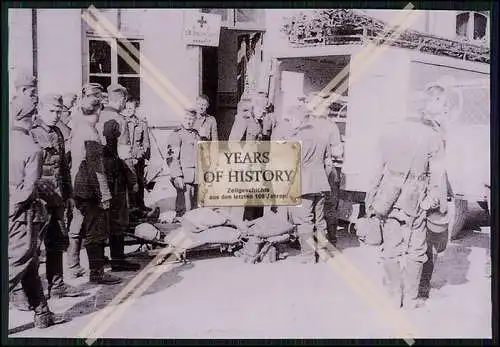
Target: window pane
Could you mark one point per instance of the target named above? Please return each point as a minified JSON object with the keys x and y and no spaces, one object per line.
{"x":123,"y":66}
{"x":133,"y":85}
{"x":479,"y":26}
{"x":99,"y":56}
{"x":103,"y":81}
{"x":462,"y":21}
{"x":220,"y":11}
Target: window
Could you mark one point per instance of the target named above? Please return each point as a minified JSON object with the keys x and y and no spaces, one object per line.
{"x":106,"y":66}
{"x":472,"y":25}
{"x":245,"y":19}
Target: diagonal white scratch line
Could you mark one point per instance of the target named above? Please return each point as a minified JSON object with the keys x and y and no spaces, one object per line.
{"x":395,"y":22}
{"x":145,"y":63}
{"x":375,"y":297}
{"x":120,"y":309}
{"x":110,"y":310}
{"x":137,"y":279}
{"x":403,"y":21}
{"x":149,"y":77}
{"x":359,"y":67}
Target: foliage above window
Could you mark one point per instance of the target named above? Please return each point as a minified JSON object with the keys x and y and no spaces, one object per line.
{"x":339,"y":26}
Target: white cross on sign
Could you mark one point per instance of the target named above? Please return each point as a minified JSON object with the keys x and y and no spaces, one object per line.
{"x":202,"y":29}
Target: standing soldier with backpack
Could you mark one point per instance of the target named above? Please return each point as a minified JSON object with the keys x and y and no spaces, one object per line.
{"x":411,"y":180}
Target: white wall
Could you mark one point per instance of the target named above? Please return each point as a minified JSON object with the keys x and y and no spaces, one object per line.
{"x":376,"y":98}
{"x":59,"y":50}
{"x":175,"y":62}
{"x":20,"y":45}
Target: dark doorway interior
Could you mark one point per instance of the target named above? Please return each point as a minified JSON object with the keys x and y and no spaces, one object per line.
{"x":210,"y":77}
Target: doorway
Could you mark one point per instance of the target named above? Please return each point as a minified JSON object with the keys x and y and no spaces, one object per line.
{"x":224,"y":71}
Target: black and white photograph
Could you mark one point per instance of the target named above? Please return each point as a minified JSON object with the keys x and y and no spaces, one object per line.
{"x":387,"y":234}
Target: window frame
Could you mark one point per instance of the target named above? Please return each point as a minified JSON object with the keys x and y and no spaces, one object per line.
{"x":471,"y":24}
{"x":114,"y":74}
{"x":231,"y":22}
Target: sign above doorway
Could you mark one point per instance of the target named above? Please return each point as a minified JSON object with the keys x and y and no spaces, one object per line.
{"x":202,"y":29}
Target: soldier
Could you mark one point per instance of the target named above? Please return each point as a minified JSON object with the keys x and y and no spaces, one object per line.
{"x":205,"y":124}
{"x":90,"y":203}
{"x":247,"y":127}
{"x":265,"y":118}
{"x":336,"y":151}
{"x":410,"y":179}
{"x":141,"y":150}
{"x":91,"y":190}
{"x":113,"y":128}
{"x":182,"y":156}
{"x":315,"y":166}
{"x":56,"y":171}
{"x":25,"y":162}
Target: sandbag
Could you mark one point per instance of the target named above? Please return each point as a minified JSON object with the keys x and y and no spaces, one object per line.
{"x":201,"y":219}
{"x":269,"y":225}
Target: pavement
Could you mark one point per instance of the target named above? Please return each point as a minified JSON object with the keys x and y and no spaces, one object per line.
{"x":222,"y":297}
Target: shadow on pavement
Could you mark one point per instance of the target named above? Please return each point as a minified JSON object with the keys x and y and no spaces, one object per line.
{"x":106,"y":294}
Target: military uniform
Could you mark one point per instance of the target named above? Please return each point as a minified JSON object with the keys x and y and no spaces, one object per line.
{"x":182,"y":157}
{"x":420,"y":158}
{"x":206,"y":126}
{"x":316,"y":158}
{"x":141,"y":151}
{"x":113,"y":128}
{"x":247,"y":128}
{"x":55,"y":173}
{"x":90,"y":191}
{"x":25,"y":162}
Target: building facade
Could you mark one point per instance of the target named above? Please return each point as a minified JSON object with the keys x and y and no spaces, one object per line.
{"x":64,"y":52}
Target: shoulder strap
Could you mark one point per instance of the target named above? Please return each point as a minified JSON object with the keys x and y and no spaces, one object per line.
{"x":415,"y":151}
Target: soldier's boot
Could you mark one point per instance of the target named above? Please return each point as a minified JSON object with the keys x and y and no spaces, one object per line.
{"x":54,"y":271}
{"x":117,"y":250}
{"x":19,"y":300}
{"x":74,"y":248}
{"x":96,"y":266}
{"x":43,"y":317}
{"x":47,"y":319}
{"x":307,"y":251}
{"x":412,"y":273}
{"x":393,"y":282}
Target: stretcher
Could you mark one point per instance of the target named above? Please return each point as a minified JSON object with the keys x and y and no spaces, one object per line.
{"x":181,"y":255}
{"x":199,"y":243}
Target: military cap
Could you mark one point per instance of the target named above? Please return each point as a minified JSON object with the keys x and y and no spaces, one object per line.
{"x":91,"y":88}
{"x":54,"y":101}
{"x":116,"y":88}
{"x":25,"y":80}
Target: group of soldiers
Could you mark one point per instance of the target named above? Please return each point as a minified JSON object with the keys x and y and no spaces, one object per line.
{"x":408,"y":198}
{"x":256,"y":121}
{"x":76,"y":175}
